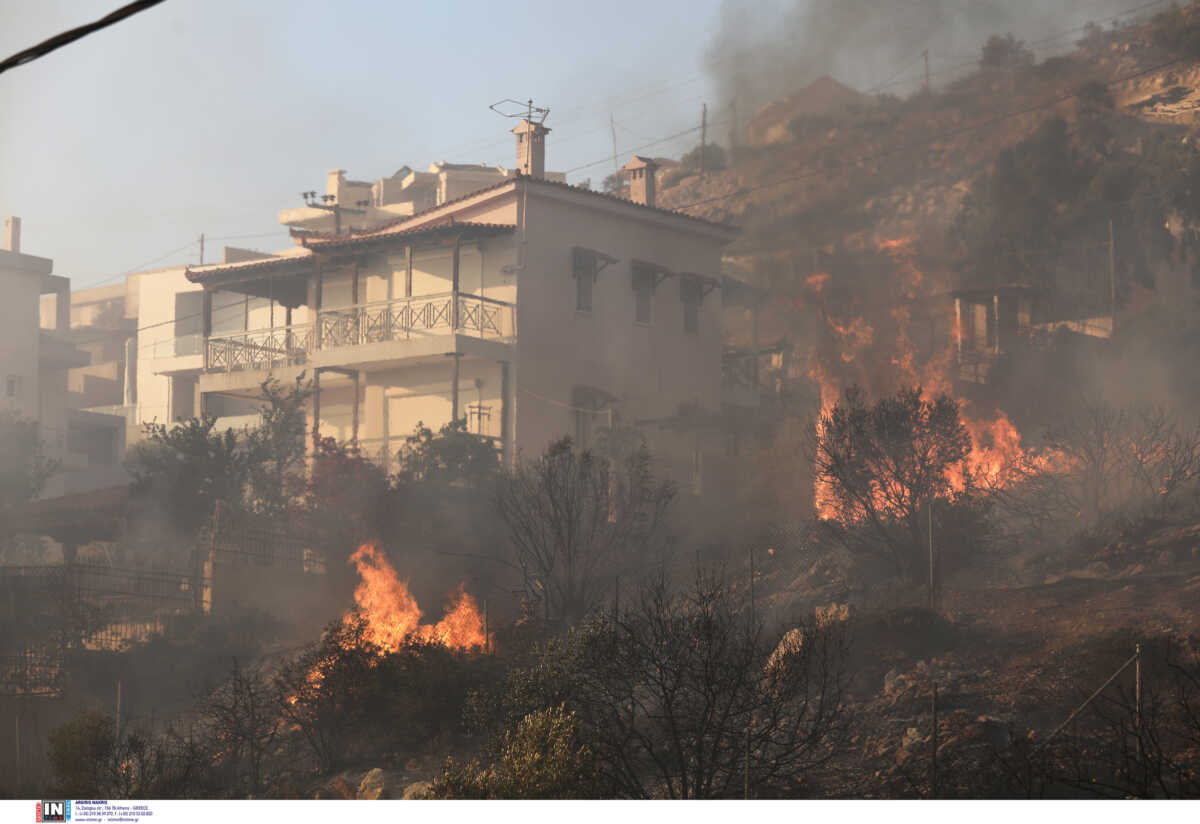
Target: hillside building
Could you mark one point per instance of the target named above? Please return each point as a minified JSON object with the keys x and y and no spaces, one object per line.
{"x":38,"y":357}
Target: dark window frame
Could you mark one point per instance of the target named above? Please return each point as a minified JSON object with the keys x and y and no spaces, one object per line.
{"x":691,"y":298}
{"x":584,"y":270}
{"x":643,"y":295}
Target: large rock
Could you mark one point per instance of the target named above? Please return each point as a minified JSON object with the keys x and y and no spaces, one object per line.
{"x":374,"y":786}
{"x":416,"y":790}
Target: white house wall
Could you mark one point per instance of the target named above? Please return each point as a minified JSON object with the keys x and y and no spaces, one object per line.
{"x":652,"y":368}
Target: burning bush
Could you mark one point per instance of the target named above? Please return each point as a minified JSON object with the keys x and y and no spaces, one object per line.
{"x":351,"y":698}
{"x":879,"y":467}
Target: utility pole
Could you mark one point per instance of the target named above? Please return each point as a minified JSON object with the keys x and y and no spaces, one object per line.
{"x":732,"y":125}
{"x":1112,"y":274}
{"x":1137,"y":695}
{"x":925,"y":54}
{"x":201,"y":248}
{"x":931,"y":598}
{"x":703,"y":136}
{"x":751,"y":553}
{"x":612,"y":124}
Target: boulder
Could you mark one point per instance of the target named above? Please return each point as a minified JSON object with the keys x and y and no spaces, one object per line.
{"x":416,"y":791}
{"x":379,"y":784}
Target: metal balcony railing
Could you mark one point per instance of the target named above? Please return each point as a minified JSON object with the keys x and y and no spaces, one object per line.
{"x":402,"y":319}
{"x":262,"y":349}
{"x":396,"y":320}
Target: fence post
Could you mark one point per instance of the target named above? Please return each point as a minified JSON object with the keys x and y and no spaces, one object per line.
{"x":1137,"y":696}
{"x":934,"y":789}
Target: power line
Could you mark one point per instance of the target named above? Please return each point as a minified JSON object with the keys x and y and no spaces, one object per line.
{"x":140,"y":266}
{"x":60,"y":40}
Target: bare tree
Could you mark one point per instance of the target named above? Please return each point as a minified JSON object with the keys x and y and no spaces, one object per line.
{"x":687,"y":696}
{"x":1126,"y":462}
{"x":574,"y":516}
{"x":241,"y":720}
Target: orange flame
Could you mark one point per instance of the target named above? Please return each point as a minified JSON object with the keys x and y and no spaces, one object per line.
{"x":393,"y":617}
{"x":997,"y":457}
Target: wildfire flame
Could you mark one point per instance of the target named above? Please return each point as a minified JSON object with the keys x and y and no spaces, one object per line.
{"x":393,"y":617}
{"x":997,"y":456}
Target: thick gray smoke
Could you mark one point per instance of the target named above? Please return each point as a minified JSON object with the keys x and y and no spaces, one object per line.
{"x":763,"y":51}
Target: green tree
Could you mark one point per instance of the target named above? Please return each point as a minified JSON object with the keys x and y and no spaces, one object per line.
{"x":451,"y":456}
{"x":275,"y":449}
{"x":186,"y":468}
{"x":81,"y":754}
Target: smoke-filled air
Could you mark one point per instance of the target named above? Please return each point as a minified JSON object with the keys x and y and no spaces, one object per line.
{"x":802,"y":406}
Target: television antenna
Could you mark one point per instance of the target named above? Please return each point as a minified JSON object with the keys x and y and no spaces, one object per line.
{"x":523,"y":109}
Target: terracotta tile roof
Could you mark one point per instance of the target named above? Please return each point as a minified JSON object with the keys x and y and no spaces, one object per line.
{"x":323,"y":240}
{"x":384,"y":227}
{"x":228,"y":271}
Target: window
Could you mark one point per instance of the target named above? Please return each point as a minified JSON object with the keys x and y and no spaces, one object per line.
{"x":13,"y":386}
{"x":593,"y":410}
{"x":584,"y":271}
{"x":643,"y":294}
{"x":689,"y":293}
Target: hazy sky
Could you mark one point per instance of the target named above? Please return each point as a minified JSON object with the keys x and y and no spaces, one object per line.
{"x":212,"y":115}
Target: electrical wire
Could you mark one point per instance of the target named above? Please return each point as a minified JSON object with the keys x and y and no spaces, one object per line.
{"x":22,"y":58}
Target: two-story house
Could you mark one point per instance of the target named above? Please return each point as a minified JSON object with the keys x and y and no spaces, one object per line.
{"x":529,"y":307}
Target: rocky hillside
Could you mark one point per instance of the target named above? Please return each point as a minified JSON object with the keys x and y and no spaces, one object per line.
{"x":893,"y":168}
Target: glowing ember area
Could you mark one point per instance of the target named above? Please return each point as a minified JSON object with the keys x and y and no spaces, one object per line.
{"x":393,"y":617}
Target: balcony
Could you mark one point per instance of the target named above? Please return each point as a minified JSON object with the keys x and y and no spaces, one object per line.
{"x":396,"y":321}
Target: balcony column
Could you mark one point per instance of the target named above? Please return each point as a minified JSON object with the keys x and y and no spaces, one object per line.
{"x":408,"y":253}
{"x":454,"y":386}
{"x":354,"y":407}
{"x":506,"y":439}
{"x":206,"y":313}
{"x":454,"y":290}
{"x":316,"y":410}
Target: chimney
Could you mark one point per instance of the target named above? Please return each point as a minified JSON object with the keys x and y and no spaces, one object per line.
{"x":12,"y":234}
{"x":334,"y":182}
{"x":640,"y":173}
{"x":531,"y":148}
